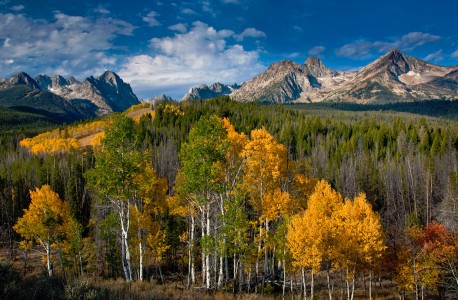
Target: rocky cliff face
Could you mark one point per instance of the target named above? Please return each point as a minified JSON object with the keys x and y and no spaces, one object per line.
{"x":206,"y":92}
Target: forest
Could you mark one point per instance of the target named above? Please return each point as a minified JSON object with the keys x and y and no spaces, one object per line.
{"x":217,"y":198}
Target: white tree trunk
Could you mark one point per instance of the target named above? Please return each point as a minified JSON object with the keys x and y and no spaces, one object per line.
{"x":140,"y":258}
{"x":48,"y":258}
{"x":221,"y":272}
{"x":304,"y":285}
{"x":125,"y":223}
{"x":370,"y":285}
{"x":207,"y":254}
{"x":191,"y":270}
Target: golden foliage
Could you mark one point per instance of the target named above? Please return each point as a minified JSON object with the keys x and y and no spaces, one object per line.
{"x":47,"y":221}
{"x":265,"y":166}
{"x":310,"y":233}
{"x":359,"y":234}
{"x":63,"y":140}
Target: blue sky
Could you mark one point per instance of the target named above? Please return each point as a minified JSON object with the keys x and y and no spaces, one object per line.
{"x":170,"y":46}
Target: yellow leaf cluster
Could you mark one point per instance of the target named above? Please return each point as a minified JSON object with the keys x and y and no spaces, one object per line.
{"x":310,"y":233}
{"x":265,"y":165}
{"x":359,"y":232}
{"x":345,"y":234}
{"x":47,"y":218}
{"x":60,"y":141}
{"x":173,"y":109}
{"x":277,"y":204}
{"x":49,"y":145}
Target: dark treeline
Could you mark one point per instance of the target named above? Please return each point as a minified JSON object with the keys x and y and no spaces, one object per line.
{"x":406,"y":165}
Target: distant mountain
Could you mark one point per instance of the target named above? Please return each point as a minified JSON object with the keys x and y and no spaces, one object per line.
{"x":397,"y":76}
{"x":394,"y":77}
{"x":212,"y":91}
{"x":288,"y":81}
{"x":46,"y":104}
{"x":57,"y":99}
{"x":108,"y":91}
{"x":20,"y":78}
{"x":158,"y":98}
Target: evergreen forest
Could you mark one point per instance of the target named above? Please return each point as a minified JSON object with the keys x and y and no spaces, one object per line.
{"x":228,"y":200}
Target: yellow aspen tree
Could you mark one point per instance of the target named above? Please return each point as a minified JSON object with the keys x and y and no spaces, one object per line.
{"x":233,"y":229}
{"x":310,"y":233}
{"x":148,"y":205}
{"x":265,"y":167}
{"x":47,"y":222}
{"x":359,"y":239}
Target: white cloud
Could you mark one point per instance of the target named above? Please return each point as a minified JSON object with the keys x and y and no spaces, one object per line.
{"x":18,"y":7}
{"x":317,"y":50}
{"x":436,"y":56}
{"x":293,"y":55}
{"x":188,"y":11}
{"x":298,"y":28}
{"x":206,"y":7}
{"x":73,"y":45}
{"x":151,"y":20}
{"x":201,"y":55}
{"x":7,"y":61}
{"x":363,"y":49}
{"x":102,"y":10}
{"x":454,"y":54}
{"x":250,"y":32}
{"x":180,"y":27}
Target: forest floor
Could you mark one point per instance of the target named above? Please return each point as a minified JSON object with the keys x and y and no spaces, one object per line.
{"x":33,"y":281}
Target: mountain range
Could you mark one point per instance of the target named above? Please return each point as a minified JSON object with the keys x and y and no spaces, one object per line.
{"x":67,"y":99}
{"x":394,"y":77}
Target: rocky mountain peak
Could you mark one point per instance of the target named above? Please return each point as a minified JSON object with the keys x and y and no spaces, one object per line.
{"x":313,"y":62}
{"x":23,"y":78}
{"x":158,"y":98}
{"x":204,"y":91}
{"x":72,"y":80}
{"x":284,"y":65}
{"x":58,"y":81}
{"x":316,"y":68}
{"x":111,"y":78}
{"x":43,"y":81}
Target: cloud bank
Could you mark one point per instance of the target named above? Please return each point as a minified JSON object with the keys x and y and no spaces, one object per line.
{"x":200,"y":55}
{"x":67,"y":45}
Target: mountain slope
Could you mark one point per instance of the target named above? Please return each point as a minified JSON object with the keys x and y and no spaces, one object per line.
{"x":46,"y":103}
{"x":55,"y":100}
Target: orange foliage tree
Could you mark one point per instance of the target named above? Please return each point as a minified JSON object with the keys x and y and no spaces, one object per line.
{"x":423,"y":258}
{"x":47,"y":221}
